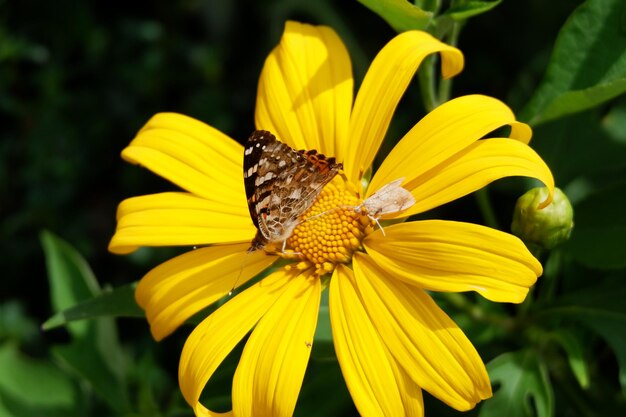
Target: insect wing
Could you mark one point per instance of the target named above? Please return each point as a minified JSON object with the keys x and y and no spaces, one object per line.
{"x":390,"y":198}
{"x":281,"y":183}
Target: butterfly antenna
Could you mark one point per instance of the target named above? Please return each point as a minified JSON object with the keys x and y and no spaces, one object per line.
{"x":326,"y":212}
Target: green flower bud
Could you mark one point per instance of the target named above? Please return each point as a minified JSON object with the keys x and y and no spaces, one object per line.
{"x":545,"y":227}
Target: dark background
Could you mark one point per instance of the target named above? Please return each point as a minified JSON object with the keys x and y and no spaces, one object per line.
{"x":79,"y":78}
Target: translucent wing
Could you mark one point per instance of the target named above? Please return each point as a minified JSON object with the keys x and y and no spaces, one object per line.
{"x":390,"y":198}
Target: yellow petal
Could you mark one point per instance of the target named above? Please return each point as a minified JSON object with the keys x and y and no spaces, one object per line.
{"x":192,"y":155}
{"x":172,"y":219}
{"x":427,"y":344}
{"x":481,"y":163}
{"x":383,"y":86}
{"x":271,"y":369}
{"x":179,"y":288}
{"x":362,"y":356}
{"x":214,"y":338}
{"x":520,"y":131}
{"x":305,"y":89}
{"x":442,"y":134}
{"x":410,"y":392}
{"x":451,"y":256}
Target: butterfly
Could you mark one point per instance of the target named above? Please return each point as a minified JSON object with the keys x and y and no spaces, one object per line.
{"x":281,"y":184}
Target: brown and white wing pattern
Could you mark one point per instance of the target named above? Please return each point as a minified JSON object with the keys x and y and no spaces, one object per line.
{"x":281,"y":184}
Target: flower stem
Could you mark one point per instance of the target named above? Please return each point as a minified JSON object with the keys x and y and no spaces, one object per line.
{"x":550,"y":278}
{"x":426,"y":77}
{"x":486,"y":209}
{"x":433,"y":96}
{"x":445,"y":86}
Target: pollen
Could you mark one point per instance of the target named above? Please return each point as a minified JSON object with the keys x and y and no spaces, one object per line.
{"x":331,"y":230}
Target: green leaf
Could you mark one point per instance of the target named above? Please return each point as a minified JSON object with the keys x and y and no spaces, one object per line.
{"x":30,"y":387}
{"x":611,"y":328}
{"x":574,"y":147}
{"x":601,"y":309}
{"x":522,"y":377}
{"x":428,"y":5}
{"x":462,"y":10}
{"x":605,"y":299}
{"x":588,"y":63}
{"x":119,"y":302}
{"x":573,"y":347}
{"x":95,"y":353}
{"x":400,"y":14}
{"x":70,"y":277}
{"x":91,"y":366}
{"x":599,"y":236}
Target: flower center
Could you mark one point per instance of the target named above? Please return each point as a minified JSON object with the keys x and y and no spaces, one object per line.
{"x":331,"y":230}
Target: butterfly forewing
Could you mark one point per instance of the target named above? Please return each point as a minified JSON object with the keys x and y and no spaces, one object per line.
{"x":281,"y":184}
{"x":256,"y":168}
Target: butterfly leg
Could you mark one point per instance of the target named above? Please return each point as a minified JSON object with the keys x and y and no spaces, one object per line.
{"x":284,"y":250}
{"x":380,"y":226}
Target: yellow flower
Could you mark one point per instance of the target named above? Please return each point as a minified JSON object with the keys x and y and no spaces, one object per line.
{"x":390,"y":337}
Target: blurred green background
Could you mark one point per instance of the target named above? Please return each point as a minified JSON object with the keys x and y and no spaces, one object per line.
{"x":79,"y":78}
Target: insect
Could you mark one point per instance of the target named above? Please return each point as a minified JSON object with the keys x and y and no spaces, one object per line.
{"x":281,"y":184}
{"x":390,"y":198}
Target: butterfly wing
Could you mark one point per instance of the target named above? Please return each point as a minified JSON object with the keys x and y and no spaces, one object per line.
{"x":300,"y":185}
{"x":281,"y":184}
{"x":257,"y":171}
